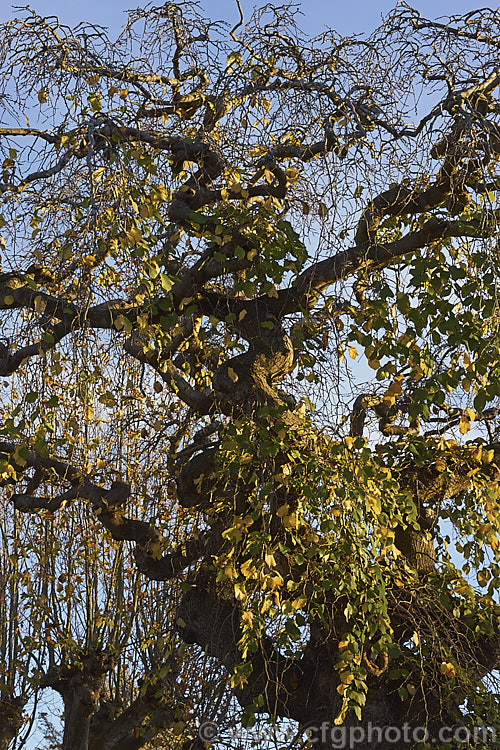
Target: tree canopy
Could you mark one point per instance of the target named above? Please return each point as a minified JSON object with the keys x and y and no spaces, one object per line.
{"x":250,"y":366}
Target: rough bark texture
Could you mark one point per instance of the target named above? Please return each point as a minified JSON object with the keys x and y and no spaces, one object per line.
{"x":11,"y":719}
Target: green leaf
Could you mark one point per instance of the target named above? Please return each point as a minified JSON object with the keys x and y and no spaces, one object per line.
{"x":153,"y":269}
{"x":480,"y":401}
{"x":234,"y":57}
{"x":166,"y":282}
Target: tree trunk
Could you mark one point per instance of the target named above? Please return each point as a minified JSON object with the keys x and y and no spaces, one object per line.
{"x":11,"y":719}
{"x":79,"y":705}
{"x":417,"y":547}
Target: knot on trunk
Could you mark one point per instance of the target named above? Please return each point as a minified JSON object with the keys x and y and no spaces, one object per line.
{"x":247,"y":379}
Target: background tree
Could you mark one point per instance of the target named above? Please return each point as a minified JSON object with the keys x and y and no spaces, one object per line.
{"x":210,"y":238}
{"x":77,"y":620}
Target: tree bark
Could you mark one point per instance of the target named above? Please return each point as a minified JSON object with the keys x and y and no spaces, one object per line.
{"x":11,"y":719}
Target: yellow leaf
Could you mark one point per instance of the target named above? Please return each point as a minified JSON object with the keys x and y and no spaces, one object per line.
{"x":464,"y":425}
{"x":290,"y":522}
{"x":247,"y":618}
{"x":9,"y":473}
{"x":276,"y":582}
{"x":440,"y":464}
{"x":238,"y":680}
{"x":483,"y":577}
{"x":385,"y":533}
{"x":239,"y":591}
{"x":178,"y":727}
{"x":343,"y":712}
{"x":17,"y":457}
{"x":266,"y":606}
{"x":270,"y":560}
{"x":232,"y":374}
{"x":233,"y":533}
{"x":353,"y":352}
{"x":346,"y":677}
{"x":448,"y":669}
{"x":395,"y":389}
{"x":478,"y":453}
{"x":43,"y":96}
{"x":247,"y":568}
{"x":39,"y":304}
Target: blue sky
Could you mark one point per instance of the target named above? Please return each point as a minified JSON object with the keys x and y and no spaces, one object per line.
{"x":347,"y":17}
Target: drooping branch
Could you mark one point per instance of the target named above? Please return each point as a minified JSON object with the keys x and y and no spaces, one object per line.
{"x":151,"y":548}
{"x":288,"y":685}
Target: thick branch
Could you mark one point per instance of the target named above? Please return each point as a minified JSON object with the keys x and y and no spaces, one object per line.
{"x":305,"y":292}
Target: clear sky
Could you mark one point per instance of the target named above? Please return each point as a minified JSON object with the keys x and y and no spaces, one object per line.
{"x":347,"y":16}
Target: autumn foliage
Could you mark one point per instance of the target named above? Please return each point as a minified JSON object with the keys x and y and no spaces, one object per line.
{"x":250,"y":377}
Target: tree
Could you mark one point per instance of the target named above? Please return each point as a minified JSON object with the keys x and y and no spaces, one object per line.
{"x":211,"y":239}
